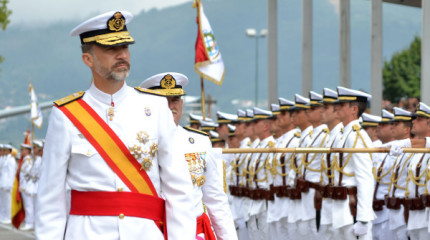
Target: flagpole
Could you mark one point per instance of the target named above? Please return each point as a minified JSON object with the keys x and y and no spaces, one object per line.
{"x":203,"y":98}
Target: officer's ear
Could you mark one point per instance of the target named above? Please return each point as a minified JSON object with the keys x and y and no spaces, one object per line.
{"x":88,"y":59}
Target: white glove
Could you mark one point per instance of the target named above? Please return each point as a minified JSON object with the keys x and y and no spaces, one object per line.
{"x":396,"y":147}
{"x":360,"y":229}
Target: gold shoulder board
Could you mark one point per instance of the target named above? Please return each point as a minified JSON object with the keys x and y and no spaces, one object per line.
{"x":297,"y":134}
{"x":149,"y":91}
{"x":196,"y":131}
{"x":356,"y":127}
{"x":70,"y":98}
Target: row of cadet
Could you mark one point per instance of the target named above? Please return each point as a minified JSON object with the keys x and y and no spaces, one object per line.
{"x":29,"y":171}
{"x":333,"y":195}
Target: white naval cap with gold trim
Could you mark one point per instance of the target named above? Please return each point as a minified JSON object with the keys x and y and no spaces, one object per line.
{"x":214,"y":137}
{"x":329,"y":96}
{"x":285,"y":104}
{"x":38,"y":143}
{"x":369,"y":120}
{"x":261,"y":113}
{"x":315,"y":99}
{"x":208,"y":125}
{"x":241,"y":115}
{"x":249,"y":115}
{"x":301,"y":102}
{"x":7,"y":146}
{"x":349,"y":95}
{"x":401,"y":115}
{"x":275,"y":108}
{"x":386,"y":116}
{"x":231,"y":130}
{"x":225,"y":117}
{"x":422,"y":110}
{"x":23,"y":145}
{"x":168,"y":84}
{"x":107,"y":29}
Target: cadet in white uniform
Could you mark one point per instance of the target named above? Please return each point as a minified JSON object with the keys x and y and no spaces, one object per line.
{"x":112,"y":200}
{"x":306,"y":132}
{"x":382,"y":168}
{"x":203,"y":166}
{"x":330,"y":117}
{"x":278,"y":209}
{"x":24,"y":184}
{"x":260,"y":176}
{"x":7,"y":177}
{"x":353,"y":179}
{"x":311,"y":171}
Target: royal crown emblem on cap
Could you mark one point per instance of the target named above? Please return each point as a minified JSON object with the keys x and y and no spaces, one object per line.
{"x":116,"y":22}
{"x":168,"y":82}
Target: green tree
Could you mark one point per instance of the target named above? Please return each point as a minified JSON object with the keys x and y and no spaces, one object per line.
{"x":402,"y":74}
{"x":4,"y":18}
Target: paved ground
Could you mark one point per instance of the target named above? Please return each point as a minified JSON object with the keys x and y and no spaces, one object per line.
{"x":7,"y":232}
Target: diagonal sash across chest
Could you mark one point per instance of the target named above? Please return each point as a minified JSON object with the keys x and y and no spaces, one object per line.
{"x":109,"y":146}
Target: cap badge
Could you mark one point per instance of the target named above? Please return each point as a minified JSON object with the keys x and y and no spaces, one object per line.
{"x":191,"y":140}
{"x":116,"y":22}
{"x":147,"y":111}
{"x":168,"y":82}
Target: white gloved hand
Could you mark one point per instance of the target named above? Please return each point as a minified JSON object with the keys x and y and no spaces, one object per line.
{"x":360,"y":229}
{"x":396,"y":147}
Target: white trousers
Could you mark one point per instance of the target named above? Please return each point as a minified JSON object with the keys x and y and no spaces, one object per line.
{"x":400,"y":233}
{"x":241,"y":229}
{"x":28,"y":203}
{"x":381,"y":231}
{"x":346,"y":233}
{"x":419,"y":234}
{"x":307,"y":230}
{"x":5,"y":205}
{"x":258,"y":228}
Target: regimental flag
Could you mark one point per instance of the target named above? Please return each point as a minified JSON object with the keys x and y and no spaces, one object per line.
{"x":18,"y":213}
{"x":35,"y":112}
{"x":208,"y":62}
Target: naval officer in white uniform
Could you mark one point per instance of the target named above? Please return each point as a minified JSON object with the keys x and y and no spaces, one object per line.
{"x":141,"y":127}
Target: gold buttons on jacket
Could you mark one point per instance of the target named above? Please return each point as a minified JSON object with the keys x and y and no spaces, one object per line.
{"x":119,"y":189}
{"x":121,"y":216}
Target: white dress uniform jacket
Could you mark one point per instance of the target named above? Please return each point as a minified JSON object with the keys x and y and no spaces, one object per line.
{"x":296,"y":207}
{"x":70,"y":159}
{"x":333,"y":141}
{"x":244,"y":179}
{"x":7,"y":177}
{"x":207,"y":184}
{"x":360,"y":166}
{"x":33,"y":182}
{"x":278,"y":208}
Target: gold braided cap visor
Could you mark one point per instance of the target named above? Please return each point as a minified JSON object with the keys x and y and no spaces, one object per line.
{"x":369,"y":124}
{"x":422,"y":114}
{"x":110,"y":39}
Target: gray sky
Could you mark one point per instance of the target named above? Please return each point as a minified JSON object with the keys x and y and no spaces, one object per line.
{"x":36,"y":12}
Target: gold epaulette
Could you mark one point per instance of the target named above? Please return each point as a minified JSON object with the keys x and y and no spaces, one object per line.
{"x":356,"y":127}
{"x":150,"y":91}
{"x":297,"y":135}
{"x":196,"y":131}
{"x":271,"y":144}
{"x":72,"y":97}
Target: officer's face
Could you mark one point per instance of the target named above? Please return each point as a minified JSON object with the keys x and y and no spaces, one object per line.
{"x":314,"y":114}
{"x":400,"y":130}
{"x":25,"y":152}
{"x":420,"y":125}
{"x":283,"y":119}
{"x":175,"y":105}
{"x":328,"y":114}
{"x":383,"y":132}
{"x":223,"y":131}
{"x":240,"y":129}
{"x":299,"y":116}
{"x":111,"y":63}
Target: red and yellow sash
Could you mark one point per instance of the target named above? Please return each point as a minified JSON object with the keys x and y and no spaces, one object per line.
{"x":109,"y":146}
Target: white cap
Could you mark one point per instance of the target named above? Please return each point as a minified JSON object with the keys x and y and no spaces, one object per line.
{"x":369,"y":120}
{"x":315,"y":99}
{"x":401,"y":115}
{"x":329,"y":96}
{"x":107,"y":29}
{"x":262,"y":114}
{"x":422,"y":110}
{"x":275,"y":108}
{"x":241,"y":115}
{"x":285,"y":104}
{"x":166,"y":84}
{"x":231,"y":130}
{"x":8,"y":146}
{"x":301,"y":102}
{"x":208,"y":125}
{"x":38,"y":143}
{"x":226,"y":117}
{"x":386,"y":116}
{"x":349,"y":95}
{"x":214,"y":136}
